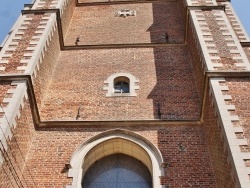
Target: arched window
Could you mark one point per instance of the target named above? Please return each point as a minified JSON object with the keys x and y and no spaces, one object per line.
{"x":117,"y":170}
{"x":121,"y":85}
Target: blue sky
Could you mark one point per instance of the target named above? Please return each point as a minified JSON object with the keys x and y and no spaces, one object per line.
{"x":11,"y":9}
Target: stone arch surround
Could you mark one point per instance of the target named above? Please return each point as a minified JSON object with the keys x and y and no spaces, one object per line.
{"x":110,"y":85}
{"x":122,"y":141}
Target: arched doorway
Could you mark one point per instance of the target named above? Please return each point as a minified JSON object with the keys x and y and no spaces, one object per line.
{"x":111,"y":143}
{"x":117,"y":171}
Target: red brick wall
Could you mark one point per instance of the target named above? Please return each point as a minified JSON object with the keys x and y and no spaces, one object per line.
{"x":52,"y":149}
{"x":165,"y":76}
{"x":223,"y":50}
{"x":99,"y":25}
{"x":197,"y":58}
{"x":222,"y":169}
{"x":16,"y":154}
{"x":189,"y":168}
{"x":67,"y":15}
{"x":46,"y":69}
{"x":183,"y":11}
{"x":239,"y":90}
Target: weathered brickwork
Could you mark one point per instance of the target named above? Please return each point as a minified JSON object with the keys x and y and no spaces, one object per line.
{"x":190,"y":167}
{"x":182,"y":4}
{"x":46,"y":68}
{"x":150,"y":25}
{"x":70,"y":84}
{"x":66,"y":16}
{"x":3,"y":90}
{"x":21,"y":50}
{"x":215,"y":141}
{"x":164,"y":78}
{"x":197,"y":59}
{"x":23,"y":44}
{"x":15,"y":155}
{"x":239,"y":89}
{"x":223,"y":51}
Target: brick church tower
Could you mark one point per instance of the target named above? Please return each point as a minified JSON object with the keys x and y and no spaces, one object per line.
{"x":120,"y":93}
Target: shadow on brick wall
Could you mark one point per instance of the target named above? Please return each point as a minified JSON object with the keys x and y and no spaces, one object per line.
{"x":175,"y":94}
{"x":167,"y":25}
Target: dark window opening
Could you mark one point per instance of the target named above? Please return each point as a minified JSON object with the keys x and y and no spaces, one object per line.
{"x":121,"y":85}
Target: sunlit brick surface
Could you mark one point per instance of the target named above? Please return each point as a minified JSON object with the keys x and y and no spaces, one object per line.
{"x":100,"y":25}
{"x":239,"y":90}
{"x":69,"y":83}
{"x":15,"y":155}
{"x":165,"y":78}
{"x":52,"y":149}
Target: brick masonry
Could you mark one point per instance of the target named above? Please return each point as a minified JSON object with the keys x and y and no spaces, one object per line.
{"x":15,"y":156}
{"x":197,"y":155}
{"x":150,"y":25}
{"x":239,"y":89}
{"x":218,"y":152}
{"x":52,"y":149}
{"x":168,"y":81}
{"x":197,"y":59}
{"x":46,"y":69}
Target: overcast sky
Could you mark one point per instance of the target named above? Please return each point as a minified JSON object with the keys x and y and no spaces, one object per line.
{"x":11,"y":9}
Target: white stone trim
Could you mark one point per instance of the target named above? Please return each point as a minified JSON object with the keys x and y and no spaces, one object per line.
{"x":211,"y":55}
{"x":232,"y":144}
{"x":110,"y":85}
{"x":41,"y":45}
{"x":77,"y":159}
{"x":230,"y":7}
{"x":8,"y":39}
{"x":201,"y":38}
{"x":12,"y":110}
{"x":237,"y":43}
{"x":196,"y":2}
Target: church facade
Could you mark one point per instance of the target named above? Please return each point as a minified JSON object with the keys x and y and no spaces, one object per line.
{"x":115,"y":93}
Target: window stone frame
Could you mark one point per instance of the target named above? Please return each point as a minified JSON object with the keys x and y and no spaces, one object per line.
{"x":110,"y":85}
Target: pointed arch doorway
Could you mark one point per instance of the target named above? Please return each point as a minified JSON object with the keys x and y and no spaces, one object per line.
{"x":120,"y":147}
